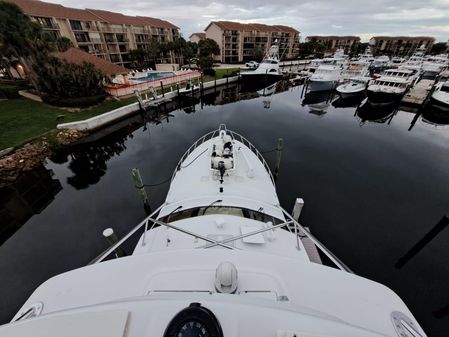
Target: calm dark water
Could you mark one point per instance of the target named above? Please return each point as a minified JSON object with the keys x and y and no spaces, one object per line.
{"x":372,"y":190}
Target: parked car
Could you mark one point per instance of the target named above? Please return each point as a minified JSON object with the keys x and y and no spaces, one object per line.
{"x":252,"y":64}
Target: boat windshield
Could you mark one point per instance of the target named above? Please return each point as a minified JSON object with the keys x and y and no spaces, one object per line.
{"x":445,"y":88}
{"x":258,"y":215}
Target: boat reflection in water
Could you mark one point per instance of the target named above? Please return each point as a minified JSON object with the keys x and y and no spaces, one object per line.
{"x":318,"y":101}
{"x":375,"y":113}
{"x":267,"y":93}
{"x":348,"y":102}
{"x":434,"y":115}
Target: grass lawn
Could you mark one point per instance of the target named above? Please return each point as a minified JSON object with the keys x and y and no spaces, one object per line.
{"x":22,"y":120}
{"x":220,"y":73}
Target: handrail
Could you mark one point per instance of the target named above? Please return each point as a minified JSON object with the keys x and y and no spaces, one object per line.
{"x":223,"y":243}
{"x":111,"y":249}
{"x":317,"y":243}
{"x":234,"y":136}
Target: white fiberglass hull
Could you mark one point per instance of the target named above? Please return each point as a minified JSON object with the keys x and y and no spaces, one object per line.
{"x":350,"y":90}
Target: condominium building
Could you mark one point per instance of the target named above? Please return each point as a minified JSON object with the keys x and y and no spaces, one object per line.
{"x":400,"y":45}
{"x":238,"y":41}
{"x":197,"y":37}
{"x":105,"y":34}
{"x":332,"y":43}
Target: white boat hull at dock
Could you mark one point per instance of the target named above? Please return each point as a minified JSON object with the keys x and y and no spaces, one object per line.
{"x":351,"y":89}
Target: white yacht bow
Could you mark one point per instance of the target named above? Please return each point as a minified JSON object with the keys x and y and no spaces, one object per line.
{"x":220,"y":257}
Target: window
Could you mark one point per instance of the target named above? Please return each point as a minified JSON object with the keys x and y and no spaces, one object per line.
{"x":81,"y":37}
{"x":46,"y":22}
{"x":75,"y":25}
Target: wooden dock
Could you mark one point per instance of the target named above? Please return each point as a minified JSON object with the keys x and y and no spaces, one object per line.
{"x":419,"y":93}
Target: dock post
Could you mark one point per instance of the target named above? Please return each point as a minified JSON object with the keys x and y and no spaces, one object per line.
{"x":227,"y":78}
{"x":177,"y":88}
{"x":299,"y":204}
{"x":138,"y":183}
{"x":279,"y":150}
{"x":162,"y":88}
{"x":112,"y":239}
{"x":215,"y":81}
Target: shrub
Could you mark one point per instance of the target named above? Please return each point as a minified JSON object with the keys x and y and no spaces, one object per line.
{"x":210,"y":72}
{"x":9,"y":91}
{"x":69,"y":80}
{"x":74,"y":102}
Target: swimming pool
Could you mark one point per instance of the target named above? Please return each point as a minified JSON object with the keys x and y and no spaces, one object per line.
{"x":142,"y":77}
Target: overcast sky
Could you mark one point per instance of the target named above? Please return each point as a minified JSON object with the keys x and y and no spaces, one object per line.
{"x":314,"y":17}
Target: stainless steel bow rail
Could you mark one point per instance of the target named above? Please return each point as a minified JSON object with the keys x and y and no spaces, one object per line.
{"x":298,"y":230}
{"x":235,"y":136}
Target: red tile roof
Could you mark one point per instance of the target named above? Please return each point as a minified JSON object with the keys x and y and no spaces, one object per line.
{"x":200,"y":35}
{"x":114,"y":18}
{"x":231,"y":25}
{"x":45,"y":9}
{"x":157,"y":22}
{"x":77,"y":56}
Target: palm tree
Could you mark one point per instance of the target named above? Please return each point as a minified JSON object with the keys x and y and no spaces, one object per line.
{"x":22,"y":39}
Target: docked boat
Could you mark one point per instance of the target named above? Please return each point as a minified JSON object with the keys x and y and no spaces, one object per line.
{"x":354,"y":87}
{"x":220,"y":257}
{"x":356,"y":84}
{"x":268,"y":70}
{"x":434,"y":65}
{"x":391,"y":85}
{"x":440,"y":96}
{"x":380,"y":63}
{"x":415,"y":62}
{"x":329,"y":72}
{"x":325,"y":78}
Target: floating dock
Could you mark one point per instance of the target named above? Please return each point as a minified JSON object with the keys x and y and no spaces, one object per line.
{"x":419,"y":93}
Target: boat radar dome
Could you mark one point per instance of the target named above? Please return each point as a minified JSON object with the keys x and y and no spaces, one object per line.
{"x":226,"y":278}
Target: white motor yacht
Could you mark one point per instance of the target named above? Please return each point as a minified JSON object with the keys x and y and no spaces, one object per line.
{"x":434,"y":65}
{"x":440,"y":96}
{"x":325,"y":78}
{"x":367,"y":57}
{"x":355,"y":86}
{"x":220,"y":257}
{"x":268,"y":69}
{"x":391,"y":85}
{"x":381,"y":62}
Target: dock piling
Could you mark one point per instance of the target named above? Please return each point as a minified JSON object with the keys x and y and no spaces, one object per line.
{"x":162,"y":88}
{"x":138,"y":183}
{"x":112,"y":239}
{"x":299,"y":204}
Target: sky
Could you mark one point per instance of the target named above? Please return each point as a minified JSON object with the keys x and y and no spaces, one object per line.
{"x":317,"y":17}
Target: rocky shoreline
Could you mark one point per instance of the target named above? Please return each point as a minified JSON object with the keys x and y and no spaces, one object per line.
{"x":30,"y":155}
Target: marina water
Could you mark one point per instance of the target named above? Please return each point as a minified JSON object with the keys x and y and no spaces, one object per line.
{"x":373,"y":188}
